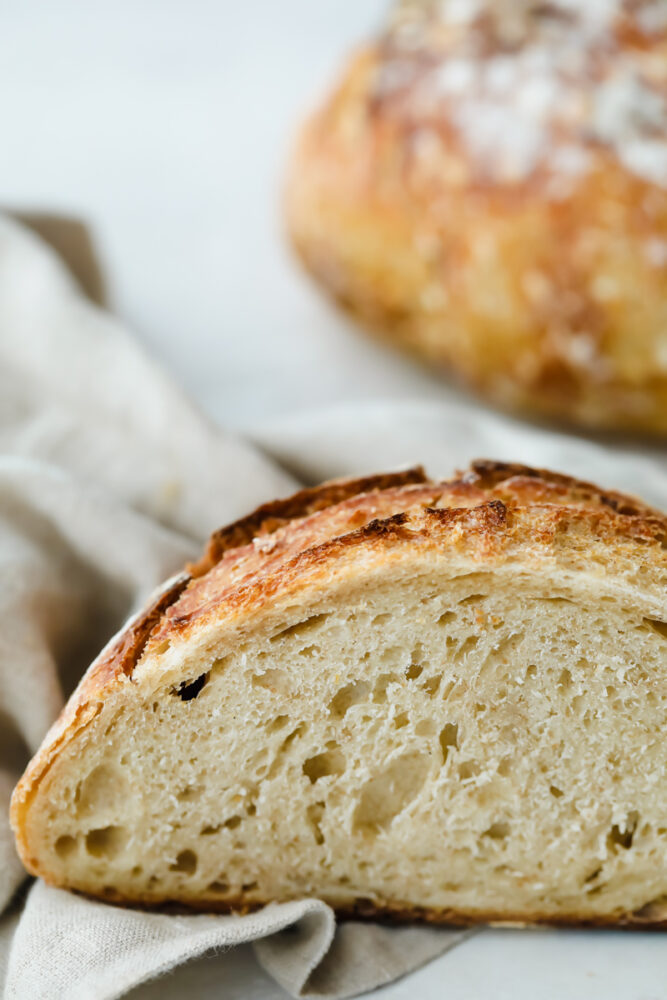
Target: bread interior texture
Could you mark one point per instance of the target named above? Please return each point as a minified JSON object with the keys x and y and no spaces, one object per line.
{"x":483,"y":746}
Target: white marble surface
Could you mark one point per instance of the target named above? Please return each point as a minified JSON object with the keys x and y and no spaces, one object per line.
{"x":166,"y":123}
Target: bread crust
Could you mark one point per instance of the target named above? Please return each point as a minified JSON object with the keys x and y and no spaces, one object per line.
{"x":494,"y":514}
{"x":273,"y":515}
{"x":394,"y":914}
{"x":538,"y":291}
{"x":472,"y":515}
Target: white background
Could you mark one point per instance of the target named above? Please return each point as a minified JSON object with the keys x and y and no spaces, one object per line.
{"x":166,"y":125}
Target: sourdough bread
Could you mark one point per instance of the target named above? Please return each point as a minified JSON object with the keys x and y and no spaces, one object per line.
{"x":412,"y":699}
{"x":485,"y":187}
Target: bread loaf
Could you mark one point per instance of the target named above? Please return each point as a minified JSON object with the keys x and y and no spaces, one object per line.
{"x":487,"y":188}
{"x":412,"y":699}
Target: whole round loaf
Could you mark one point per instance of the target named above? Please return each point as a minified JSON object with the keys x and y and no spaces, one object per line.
{"x":487,"y":187}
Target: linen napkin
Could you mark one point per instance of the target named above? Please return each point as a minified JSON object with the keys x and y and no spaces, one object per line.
{"x":109,"y":481}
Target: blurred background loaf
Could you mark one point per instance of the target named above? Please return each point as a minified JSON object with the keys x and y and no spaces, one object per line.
{"x":487,"y":187}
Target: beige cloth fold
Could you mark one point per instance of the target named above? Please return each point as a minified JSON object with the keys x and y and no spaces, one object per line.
{"x":109,"y":480}
{"x":91,"y":950}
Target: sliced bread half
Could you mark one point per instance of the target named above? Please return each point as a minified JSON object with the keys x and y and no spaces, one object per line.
{"x":420,"y":700}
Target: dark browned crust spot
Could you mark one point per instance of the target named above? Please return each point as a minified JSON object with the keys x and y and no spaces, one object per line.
{"x":382,"y":527}
{"x":492,"y":514}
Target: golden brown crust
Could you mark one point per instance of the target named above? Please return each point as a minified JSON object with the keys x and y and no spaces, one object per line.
{"x":494,"y":513}
{"x":549,"y":503}
{"x":542,"y":485}
{"x":271,"y":516}
{"x":544,"y":290}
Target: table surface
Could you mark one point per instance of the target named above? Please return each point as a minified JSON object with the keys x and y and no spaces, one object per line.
{"x":166,"y":125}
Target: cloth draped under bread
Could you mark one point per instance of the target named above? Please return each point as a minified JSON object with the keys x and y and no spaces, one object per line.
{"x":109,"y":481}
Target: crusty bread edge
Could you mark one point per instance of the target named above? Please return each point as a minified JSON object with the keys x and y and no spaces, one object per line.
{"x":270,"y":516}
{"x":394,"y":913}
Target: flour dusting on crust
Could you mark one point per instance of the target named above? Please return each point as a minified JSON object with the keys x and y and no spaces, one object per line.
{"x":528,"y":85}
